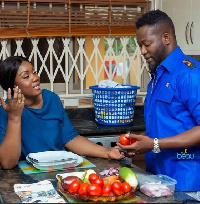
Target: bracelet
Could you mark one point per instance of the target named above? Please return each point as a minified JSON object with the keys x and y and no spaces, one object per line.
{"x":156,"y":148}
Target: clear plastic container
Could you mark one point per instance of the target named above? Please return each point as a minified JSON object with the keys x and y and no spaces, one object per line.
{"x":156,"y":185}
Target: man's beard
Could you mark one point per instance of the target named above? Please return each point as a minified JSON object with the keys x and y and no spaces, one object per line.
{"x":152,"y":68}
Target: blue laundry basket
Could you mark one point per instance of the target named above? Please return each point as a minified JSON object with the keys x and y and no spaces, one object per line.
{"x":114,"y":106}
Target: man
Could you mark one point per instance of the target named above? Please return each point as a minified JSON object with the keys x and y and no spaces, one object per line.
{"x":172,"y":105}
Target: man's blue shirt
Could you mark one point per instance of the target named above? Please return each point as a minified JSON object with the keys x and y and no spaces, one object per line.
{"x":172,"y":106}
{"x":45,"y":129}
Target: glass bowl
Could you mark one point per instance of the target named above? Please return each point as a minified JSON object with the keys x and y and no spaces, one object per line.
{"x":125,"y":196}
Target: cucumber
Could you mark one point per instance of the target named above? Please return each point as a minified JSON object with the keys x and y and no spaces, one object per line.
{"x":129,"y":176}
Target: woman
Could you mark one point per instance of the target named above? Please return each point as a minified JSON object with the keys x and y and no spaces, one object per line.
{"x":34,"y":120}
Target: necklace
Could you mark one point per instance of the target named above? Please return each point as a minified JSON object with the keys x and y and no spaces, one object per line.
{"x":152,"y":85}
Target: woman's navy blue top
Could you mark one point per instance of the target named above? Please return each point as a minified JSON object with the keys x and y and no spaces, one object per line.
{"x":45,"y":129}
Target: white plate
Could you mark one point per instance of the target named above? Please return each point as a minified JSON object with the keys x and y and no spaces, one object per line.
{"x":49,"y":160}
{"x":51,"y":156}
{"x":46,"y":163}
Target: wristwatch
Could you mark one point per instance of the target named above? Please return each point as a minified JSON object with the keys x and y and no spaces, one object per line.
{"x":156,"y":148}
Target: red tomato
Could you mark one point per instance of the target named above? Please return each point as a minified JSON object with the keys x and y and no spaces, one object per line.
{"x":106,"y":189}
{"x":98,"y":181}
{"x":92,"y":177}
{"x":117,"y":188}
{"x":133,"y":140}
{"x":126,"y":186}
{"x":94,"y":190}
{"x":124,"y":140}
{"x":83,"y":189}
{"x":74,"y":187}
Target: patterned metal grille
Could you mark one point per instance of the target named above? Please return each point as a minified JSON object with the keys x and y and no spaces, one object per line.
{"x":62,"y":68}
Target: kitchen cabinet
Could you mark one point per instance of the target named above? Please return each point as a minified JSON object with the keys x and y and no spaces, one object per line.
{"x":186,"y":17}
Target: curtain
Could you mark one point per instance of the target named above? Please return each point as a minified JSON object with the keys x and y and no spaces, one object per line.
{"x":36,"y":18}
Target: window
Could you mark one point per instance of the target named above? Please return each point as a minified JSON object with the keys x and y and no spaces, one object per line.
{"x":77,"y":43}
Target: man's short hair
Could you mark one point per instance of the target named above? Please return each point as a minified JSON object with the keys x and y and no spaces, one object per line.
{"x":155,"y":18}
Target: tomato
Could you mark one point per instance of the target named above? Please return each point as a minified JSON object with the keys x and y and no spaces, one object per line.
{"x":126,"y":186}
{"x":133,"y":140}
{"x":106,"y":189}
{"x":98,"y":181}
{"x":117,"y":188}
{"x":124,"y":140}
{"x":74,"y":186}
{"x":92,"y":177}
{"x":94,"y":190}
{"x":83,"y":189}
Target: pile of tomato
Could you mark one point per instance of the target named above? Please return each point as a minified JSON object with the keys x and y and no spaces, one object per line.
{"x":97,"y":187}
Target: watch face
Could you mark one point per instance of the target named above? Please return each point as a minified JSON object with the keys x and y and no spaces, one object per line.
{"x":157,"y":150}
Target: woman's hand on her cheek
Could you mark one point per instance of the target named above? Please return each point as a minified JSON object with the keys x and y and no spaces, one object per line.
{"x":15,"y":105}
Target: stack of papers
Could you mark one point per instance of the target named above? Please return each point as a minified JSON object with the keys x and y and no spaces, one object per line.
{"x":41,"y":192}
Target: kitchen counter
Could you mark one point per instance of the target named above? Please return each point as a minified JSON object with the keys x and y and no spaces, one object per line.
{"x":16,"y":176}
{"x":83,"y":120}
